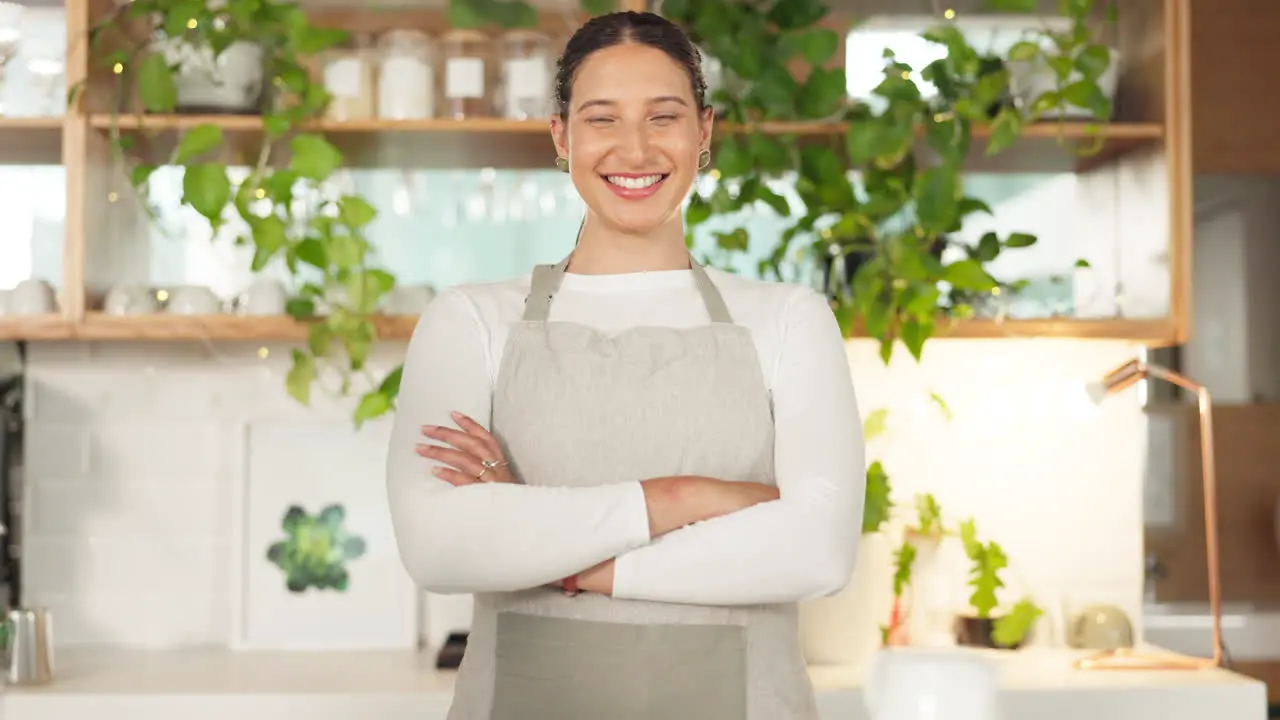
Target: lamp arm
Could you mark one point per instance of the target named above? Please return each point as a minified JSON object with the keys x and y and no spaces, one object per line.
{"x":1209,"y":490}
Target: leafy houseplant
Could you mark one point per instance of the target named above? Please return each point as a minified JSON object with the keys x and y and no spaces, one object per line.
{"x":283,"y":208}
{"x":892,"y":223}
{"x":895,"y":215}
{"x":982,"y":628}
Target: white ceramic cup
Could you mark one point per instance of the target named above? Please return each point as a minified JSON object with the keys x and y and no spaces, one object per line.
{"x":32,"y":297}
{"x":265,"y":296}
{"x":408,"y":299}
{"x":193,"y":300}
{"x":130,"y":299}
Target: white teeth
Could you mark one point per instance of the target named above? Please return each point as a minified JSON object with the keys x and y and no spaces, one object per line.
{"x":634,"y":183}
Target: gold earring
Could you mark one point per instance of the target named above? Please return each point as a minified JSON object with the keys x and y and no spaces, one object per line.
{"x":562,"y":164}
{"x":704,"y":159}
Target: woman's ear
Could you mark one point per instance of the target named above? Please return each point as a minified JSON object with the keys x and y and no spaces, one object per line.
{"x":560,"y":136}
{"x":706,"y":123}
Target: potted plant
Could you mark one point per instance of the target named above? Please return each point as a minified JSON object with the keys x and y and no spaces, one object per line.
{"x":983,"y":627}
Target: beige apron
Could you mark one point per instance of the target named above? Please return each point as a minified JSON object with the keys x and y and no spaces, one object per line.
{"x":577,"y":407}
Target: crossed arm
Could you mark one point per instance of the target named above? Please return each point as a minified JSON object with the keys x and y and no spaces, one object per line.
{"x":499,"y":536}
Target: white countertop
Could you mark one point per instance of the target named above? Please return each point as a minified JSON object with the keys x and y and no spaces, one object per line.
{"x":209,"y":684}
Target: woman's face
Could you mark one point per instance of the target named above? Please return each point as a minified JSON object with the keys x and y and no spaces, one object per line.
{"x":632,"y":135}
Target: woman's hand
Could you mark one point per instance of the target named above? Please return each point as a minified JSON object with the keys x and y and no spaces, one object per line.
{"x":470,"y":455}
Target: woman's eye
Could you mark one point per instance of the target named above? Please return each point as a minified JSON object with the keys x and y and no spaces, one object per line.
{"x":599,"y":120}
{"x":664,"y":118}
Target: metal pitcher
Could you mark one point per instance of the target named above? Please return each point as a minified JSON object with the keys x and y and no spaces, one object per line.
{"x":30,"y":647}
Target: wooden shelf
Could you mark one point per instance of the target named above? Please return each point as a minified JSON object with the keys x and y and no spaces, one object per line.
{"x":31,"y":140}
{"x":497,"y":142}
{"x":35,"y":327}
{"x":1153,"y":332}
{"x":100,"y":326}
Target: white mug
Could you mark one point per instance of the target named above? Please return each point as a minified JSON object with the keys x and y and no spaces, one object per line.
{"x":32,"y":297}
{"x":265,"y":296}
{"x":408,"y":299}
{"x":193,"y":300}
{"x":130,"y":299}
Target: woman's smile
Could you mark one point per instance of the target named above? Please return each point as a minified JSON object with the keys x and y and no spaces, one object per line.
{"x":634,"y":186}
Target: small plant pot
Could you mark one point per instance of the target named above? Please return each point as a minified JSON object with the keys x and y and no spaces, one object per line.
{"x":976,"y":632}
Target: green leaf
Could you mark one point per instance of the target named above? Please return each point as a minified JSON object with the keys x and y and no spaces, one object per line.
{"x":513,"y":14}
{"x":875,"y":424}
{"x":310,"y":40}
{"x":1086,"y":94}
{"x":390,"y":385}
{"x":598,"y":7}
{"x":969,"y":275}
{"x":314,"y":157}
{"x":1023,"y":51}
{"x":1093,"y":61}
{"x":1020,"y":240}
{"x":268,"y":239}
{"x":141,"y":174}
{"x":206,"y":188}
{"x":372,"y":405}
{"x":1013,"y":6}
{"x":156,"y":87}
{"x":355,"y":211}
{"x":793,"y":14}
{"x":988,"y":248}
{"x":320,"y":340}
{"x":1004,"y":130}
{"x":312,"y":252}
{"x":301,"y":308}
{"x":275,"y":125}
{"x":1012,"y":629}
{"x":914,"y":333}
{"x":462,"y":14}
{"x":937,"y":199}
{"x":732,"y":158}
{"x":877,"y":503}
{"x":301,"y":376}
{"x":819,"y":45}
{"x":942,"y":405}
{"x":198,"y":141}
{"x":823,"y":93}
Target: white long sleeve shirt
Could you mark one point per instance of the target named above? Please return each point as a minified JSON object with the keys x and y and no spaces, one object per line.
{"x":503,"y":537}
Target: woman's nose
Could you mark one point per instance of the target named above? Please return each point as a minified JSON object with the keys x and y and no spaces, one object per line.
{"x":635,"y":144}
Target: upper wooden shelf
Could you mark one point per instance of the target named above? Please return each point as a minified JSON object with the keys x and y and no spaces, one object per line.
{"x":102,"y":327}
{"x":496,"y":142}
{"x":31,"y":140}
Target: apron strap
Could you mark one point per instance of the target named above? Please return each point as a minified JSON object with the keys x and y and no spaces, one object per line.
{"x":546,"y":281}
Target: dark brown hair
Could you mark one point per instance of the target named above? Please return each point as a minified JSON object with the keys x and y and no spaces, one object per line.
{"x":643,"y":28}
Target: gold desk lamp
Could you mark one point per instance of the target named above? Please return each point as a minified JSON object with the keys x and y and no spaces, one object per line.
{"x":1115,"y":381}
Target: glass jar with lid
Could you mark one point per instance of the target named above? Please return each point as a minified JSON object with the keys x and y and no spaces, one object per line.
{"x":468,"y":85}
{"x":406,"y":75}
{"x":528,"y":69}
{"x":348,"y":74}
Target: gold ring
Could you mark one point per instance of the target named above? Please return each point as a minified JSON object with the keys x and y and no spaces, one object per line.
{"x":491,"y":464}
{"x":482,"y":472}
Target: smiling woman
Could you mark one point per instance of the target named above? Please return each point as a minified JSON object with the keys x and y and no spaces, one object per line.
{"x":553,"y":427}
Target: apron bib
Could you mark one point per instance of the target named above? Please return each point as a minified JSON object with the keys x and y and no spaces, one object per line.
{"x":577,"y":407}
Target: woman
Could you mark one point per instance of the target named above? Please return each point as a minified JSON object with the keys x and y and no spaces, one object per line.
{"x":676,"y":455}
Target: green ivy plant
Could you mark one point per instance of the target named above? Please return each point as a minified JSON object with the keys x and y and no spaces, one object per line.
{"x":282,"y":203}
{"x":894,"y":222}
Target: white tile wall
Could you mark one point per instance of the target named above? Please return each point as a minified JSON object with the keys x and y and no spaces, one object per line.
{"x":137,"y":462}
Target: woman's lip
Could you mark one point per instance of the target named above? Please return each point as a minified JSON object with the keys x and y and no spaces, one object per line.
{"x":634,"y":193}
{"x":635,"y":175}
